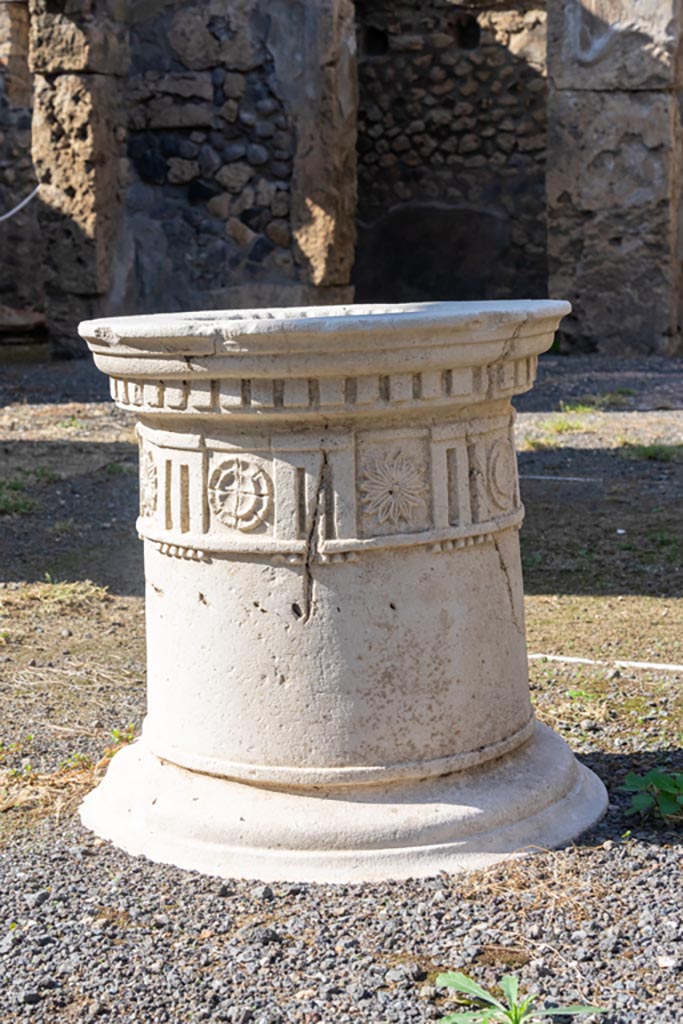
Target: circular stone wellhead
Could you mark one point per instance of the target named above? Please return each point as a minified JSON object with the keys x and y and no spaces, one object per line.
{"x":337,"y":671}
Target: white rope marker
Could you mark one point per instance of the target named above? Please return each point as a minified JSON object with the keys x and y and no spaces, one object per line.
{"x":20,"y":206}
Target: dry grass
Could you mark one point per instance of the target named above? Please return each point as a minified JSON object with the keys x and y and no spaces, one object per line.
{"x":53,"y":596}
{"x":51,"y":794}
{"x":552,"y":884}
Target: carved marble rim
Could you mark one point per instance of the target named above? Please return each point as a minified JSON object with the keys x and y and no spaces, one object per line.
{"x":324,"y":330}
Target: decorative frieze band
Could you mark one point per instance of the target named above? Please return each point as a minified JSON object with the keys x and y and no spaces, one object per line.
{"x":306,"y":497}
{"x":205,"y":396}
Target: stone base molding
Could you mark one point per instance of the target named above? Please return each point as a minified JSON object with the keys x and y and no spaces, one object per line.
{"x":536,"y":798}
{"x":337,"y":675}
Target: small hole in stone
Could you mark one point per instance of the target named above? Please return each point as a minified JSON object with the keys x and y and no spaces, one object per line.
{"x":375,"y":41}
{"x":392,"y":606}
{"x":467,"y":32}
{"x":297,"y":611}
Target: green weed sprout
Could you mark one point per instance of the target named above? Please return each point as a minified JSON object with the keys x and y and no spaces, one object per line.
{"x":656,"y":793}
{"x":493,"y":1011}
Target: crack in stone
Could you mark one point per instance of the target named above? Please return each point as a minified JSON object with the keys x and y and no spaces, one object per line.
{"x":506,"y":574}
{"x":504,"y":357}
{"x":313,"y":537}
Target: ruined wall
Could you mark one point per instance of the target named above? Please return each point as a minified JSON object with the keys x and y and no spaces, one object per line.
{"x":20,"y":257}
{"x":451,"y":143}
{"x":194,"y":154}
{"x":614,"y":172}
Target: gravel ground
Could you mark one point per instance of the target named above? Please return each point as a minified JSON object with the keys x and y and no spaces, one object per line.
{"x":90,"y":934}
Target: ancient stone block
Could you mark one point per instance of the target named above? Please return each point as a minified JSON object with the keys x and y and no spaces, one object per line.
{"x":234,"y":177}
{"x":14,"y":36}
{"x":321,"y":102}
{"x":613,"y":205}
{"x":240,"y":232}
{"x":615,"y":44}
{"x":185,"y":85}
{"x":165,"y":112}
{"x":80,"y":41}
{"x":279,"y":233}
{"x":181,"y":171}
{"x":210,"y":33}
{"x":75,"y":152}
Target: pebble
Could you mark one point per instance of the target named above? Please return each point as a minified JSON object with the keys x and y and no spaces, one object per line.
{"x":35,"y":899}
{"x":262,"y":892}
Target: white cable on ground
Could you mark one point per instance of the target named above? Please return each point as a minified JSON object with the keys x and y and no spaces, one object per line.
{"x":20,"y":206}
{"x":653,"y":666}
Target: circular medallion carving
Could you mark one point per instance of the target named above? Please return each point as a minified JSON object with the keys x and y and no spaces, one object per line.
{"x":241,"y":494}
{"x":148,"y":484}
{"x":501,"y":473}
{"x":392,"y":489}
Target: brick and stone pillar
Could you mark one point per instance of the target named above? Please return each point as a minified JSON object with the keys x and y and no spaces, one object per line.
{"x":614,"y":172}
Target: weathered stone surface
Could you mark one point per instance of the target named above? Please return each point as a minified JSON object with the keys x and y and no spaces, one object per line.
{"x":76,"y":156}
{"x":451,"y":151}
{"x":263,"y":456}
{"x":185,"y":85}
{"x":211,"y":33}
{"x":279,"y":233}
{"x":14,"y":47}
{"x":234,"y":177}
{"x":181,"y":171}
{"x":219,"y":206}
{"x":165,"y":112}
{"x":615,"y":44}
{"x":242,"y":234}
{"x":77,"y":39}
{"x":323,"y":105}
{"x":21,"y":282}
{"x":613,"y":202}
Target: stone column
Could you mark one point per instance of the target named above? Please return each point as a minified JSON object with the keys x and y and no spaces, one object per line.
{"x":614,"y":171}
{"x":335,"y":628}
{"x":79,"y":60}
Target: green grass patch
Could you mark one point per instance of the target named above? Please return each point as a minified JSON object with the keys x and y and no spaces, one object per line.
{"x":617,"y":399}
{"x":651,"y":452}
{"x":563,"y":425}
{"x":12,"y":499}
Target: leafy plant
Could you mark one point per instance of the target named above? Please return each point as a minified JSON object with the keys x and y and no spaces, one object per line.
{"x":77,"y":761}
{"x":122,"y":736}
{"x":484,"y":1008}
{"x":12,"y":501}
{"x":656,"y":793}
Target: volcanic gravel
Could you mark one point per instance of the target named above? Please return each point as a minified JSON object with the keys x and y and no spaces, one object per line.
{"x":88,"y":933}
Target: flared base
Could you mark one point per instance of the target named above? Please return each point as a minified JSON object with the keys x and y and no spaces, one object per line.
{"x":538,"y":796}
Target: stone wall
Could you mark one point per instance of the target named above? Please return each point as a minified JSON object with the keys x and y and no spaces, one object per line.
{"x":451,"y":143}
{"x":193,"y":154}
{"x":210,"y":150}
{"x":20,"y":283}
{"x":614,"y":172}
